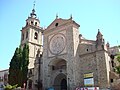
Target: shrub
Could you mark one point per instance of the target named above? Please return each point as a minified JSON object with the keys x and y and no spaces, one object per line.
{"x":10,"y":87}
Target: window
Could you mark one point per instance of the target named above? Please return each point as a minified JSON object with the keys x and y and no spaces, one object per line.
{"x":112,"y":57}
{"x":36,"y":35}
{"x":31,"y":22}
{"x":26,"y":23}
{"x":53,"y":67}
{"x":111,"y":80}
{"x":56,"y":24}
{"x":35,"y":23}
{"x":112,"y":62}
{"x":87,"y":49}
{"x":26,"y":34}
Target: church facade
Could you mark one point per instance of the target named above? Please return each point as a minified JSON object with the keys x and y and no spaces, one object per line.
{"x":66,"y":59}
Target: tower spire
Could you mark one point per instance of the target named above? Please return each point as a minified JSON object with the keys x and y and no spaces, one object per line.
{"x":33,"y":11}
{"x":99,"y":34}
{"x":56,"y":16}
{"x":99,"y":38}
{"x":71,"y":16}
{"x":34,"y":4}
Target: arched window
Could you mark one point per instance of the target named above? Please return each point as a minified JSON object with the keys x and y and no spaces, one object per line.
{"x":36,"y":35}
{"x":26,"y":23}
{"x":31,"y":22}
{"x":35,"y":23}
{"x":56,"y":24}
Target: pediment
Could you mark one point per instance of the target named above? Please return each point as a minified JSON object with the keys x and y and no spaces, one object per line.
{"x":58,"y":22}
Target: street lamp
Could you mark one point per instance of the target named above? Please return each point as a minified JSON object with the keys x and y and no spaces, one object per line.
{"x":39,"y":82}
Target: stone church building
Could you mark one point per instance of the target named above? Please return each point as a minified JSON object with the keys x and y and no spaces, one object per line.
{"x":60,"y":57}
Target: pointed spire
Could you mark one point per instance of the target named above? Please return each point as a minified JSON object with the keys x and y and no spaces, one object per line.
{"x":107,"y":45}
{"x":99,"y":33}
{"x":56,"y":16}
{"x":33,"y":11}
{"x":99,"y":38}
{"x":98,"y":30}
{"x":34,"y":4}
{"x":71,"y":16}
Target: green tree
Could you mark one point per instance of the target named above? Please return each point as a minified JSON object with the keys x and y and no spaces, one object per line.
{"x":117,"y":68}
{"x":19,"y":66}
{"x":119,"y":46}
{"x":14,"y":67}
{"x":25,"y":62}
{"x":9,"y":87}
{"x":19,"y":82}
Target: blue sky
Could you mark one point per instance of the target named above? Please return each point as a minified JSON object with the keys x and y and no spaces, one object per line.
{"x":90,"y":14}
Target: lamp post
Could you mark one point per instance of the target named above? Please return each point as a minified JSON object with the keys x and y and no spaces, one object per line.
{"x":39,"y":62}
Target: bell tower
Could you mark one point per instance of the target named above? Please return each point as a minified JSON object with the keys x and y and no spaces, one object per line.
{"x":31,"y":34}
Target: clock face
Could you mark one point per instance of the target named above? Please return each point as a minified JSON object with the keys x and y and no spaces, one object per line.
{"x":57,"y":43}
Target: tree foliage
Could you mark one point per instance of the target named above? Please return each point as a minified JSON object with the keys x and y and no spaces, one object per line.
{"x":25,"y":62}
{"x":10,"y":87}
{"x":19,"y":66}
{"x":117,"y":68}
{"x":119,"y":46}
{"x":14,"y":67}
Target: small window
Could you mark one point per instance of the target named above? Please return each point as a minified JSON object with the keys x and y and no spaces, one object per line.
{"x":56,"y":24}
{"x":36,"y":35}
{"x":31,"y":22}
{"x":26,"y":23}
{"x":111,"y":80}
{"x":26,"y":34}
{"x":112,"y":56}
{"x":53,"y":67}
{"x":35,"y":23}
{"x":87,"y":49}
{"x":112,"y":62}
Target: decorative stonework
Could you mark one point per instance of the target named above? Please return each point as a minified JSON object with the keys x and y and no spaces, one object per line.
{"x":57,"y":44}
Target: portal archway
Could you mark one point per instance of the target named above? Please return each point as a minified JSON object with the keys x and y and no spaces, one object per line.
{"x":63,"y":84}
{"x":57,"y":70}
{"x":60,"y":82}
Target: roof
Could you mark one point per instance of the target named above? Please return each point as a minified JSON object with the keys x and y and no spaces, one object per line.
{"x":60,"y":21}
{"x":4,"y":70}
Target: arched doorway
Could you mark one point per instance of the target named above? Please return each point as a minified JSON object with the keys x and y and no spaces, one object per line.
{"x":60,"y":82}
{"x":63,"y":84}
{"x":57,"y":69}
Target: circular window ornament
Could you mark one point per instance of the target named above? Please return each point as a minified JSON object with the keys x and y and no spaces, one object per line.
{"x":57,"y":43}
